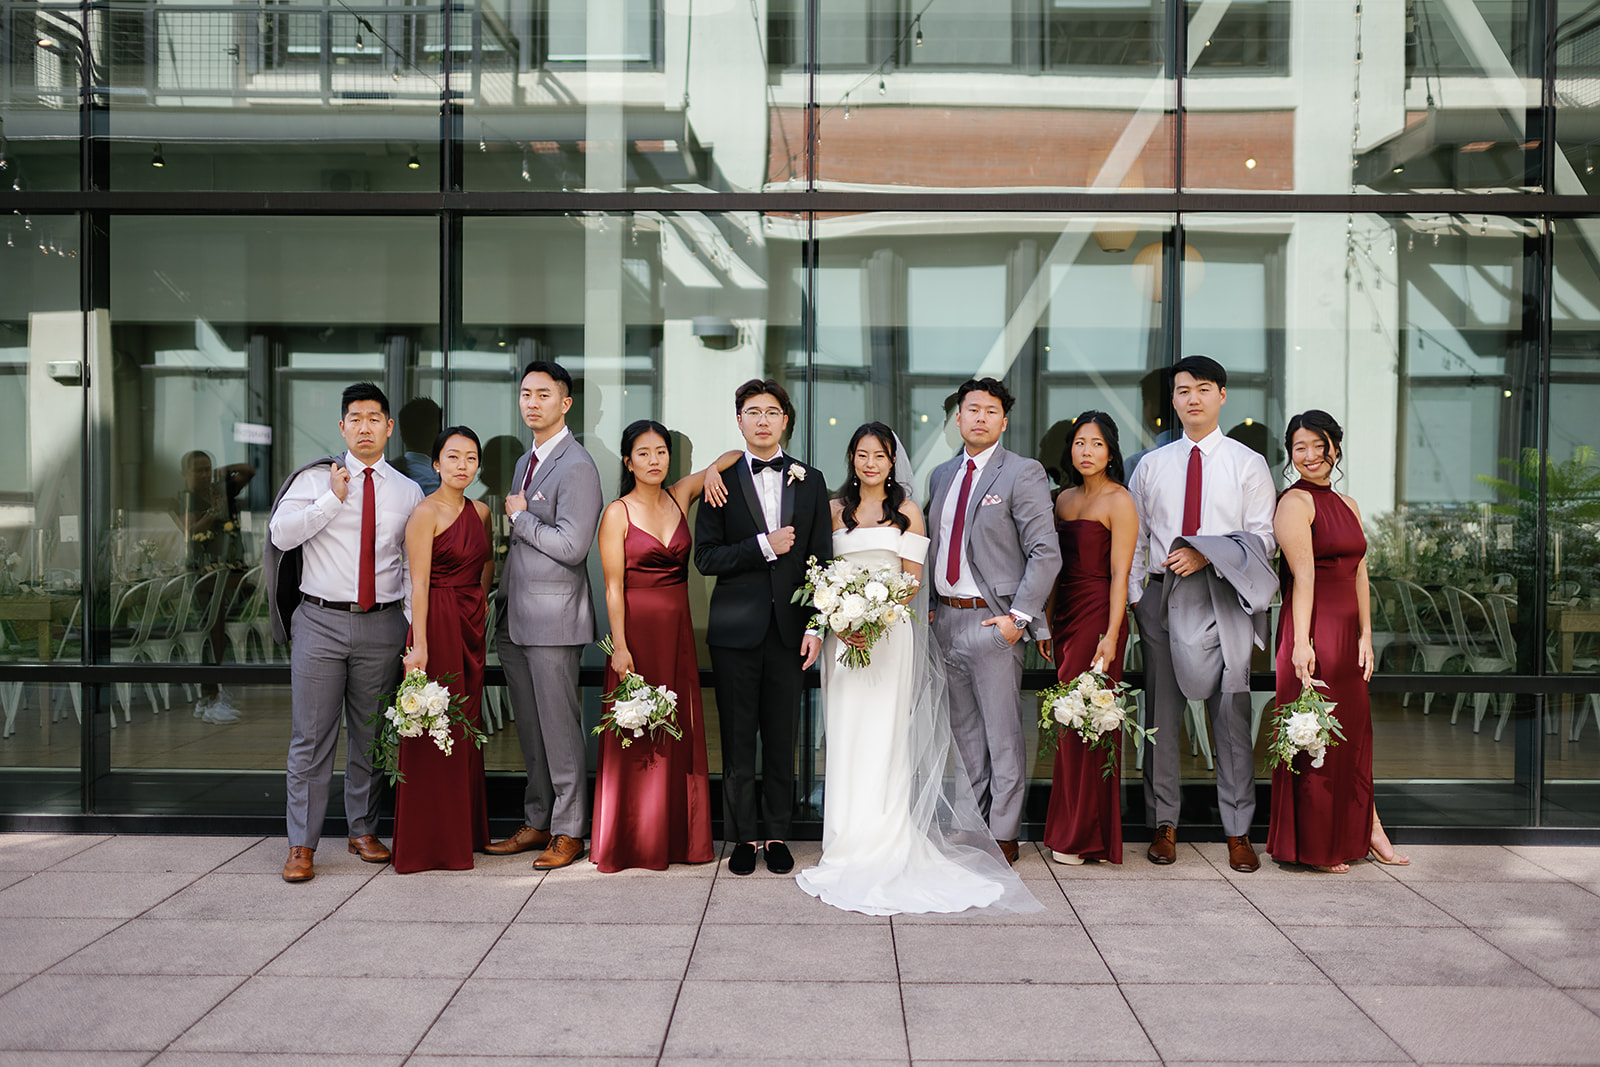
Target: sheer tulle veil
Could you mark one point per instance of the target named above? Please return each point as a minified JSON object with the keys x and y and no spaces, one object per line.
{"x":942,"y":803}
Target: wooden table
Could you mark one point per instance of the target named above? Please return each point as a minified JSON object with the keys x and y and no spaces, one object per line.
{"x":36,"y":616}
{"x":1569,"y":623}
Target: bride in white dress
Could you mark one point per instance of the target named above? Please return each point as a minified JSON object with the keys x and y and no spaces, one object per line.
{"x":901,"y":831}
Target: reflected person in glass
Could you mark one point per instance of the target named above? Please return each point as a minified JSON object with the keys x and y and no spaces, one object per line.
{"x":207,"y":511}
{"x":1325,"y":817}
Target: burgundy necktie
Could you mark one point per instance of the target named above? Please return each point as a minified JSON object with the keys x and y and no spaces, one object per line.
{"x":1191,"y":495}
{"x":368,"y":594}
{"x":952,"y":566}
{"x":527,"y":475}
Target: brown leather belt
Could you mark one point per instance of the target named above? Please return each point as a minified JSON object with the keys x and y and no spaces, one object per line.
{"x":345,"y":605}
{"x":963,"y":601}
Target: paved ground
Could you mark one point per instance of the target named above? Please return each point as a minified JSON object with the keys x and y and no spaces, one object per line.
{"x":134,"y":950}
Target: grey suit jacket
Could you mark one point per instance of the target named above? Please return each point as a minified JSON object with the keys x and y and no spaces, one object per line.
{"x":1010,"y":533}
{"x":1216,"y":614}
{"x":544,"y":588}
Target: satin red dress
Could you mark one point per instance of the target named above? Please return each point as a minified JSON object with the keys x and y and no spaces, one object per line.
{"x":652,"y":800}
{"x":440,"y":817}
{"x":1323,"y":815}
{"x":1085,"y":812}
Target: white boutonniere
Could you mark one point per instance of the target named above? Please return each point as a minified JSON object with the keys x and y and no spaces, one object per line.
{"x":797,"y":473}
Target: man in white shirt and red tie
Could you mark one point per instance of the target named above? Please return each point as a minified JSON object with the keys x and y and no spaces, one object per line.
{"x":346,"y":515}
{"x":1208,"y":484}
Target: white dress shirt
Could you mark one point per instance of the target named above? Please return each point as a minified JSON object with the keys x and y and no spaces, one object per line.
{"x":769,"y":494}
{"x":1236,"y":493}
{"x":543,"y":451}
{"x":967,"y":586}
{"x":328,"y":530}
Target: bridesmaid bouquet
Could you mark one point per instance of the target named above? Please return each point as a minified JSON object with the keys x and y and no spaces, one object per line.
{"x":418,"y":707}
{"x":1096,"y":708}
{"x":851,"y":599}
{"x":637,"y":706}
{"x":1306,"y":724}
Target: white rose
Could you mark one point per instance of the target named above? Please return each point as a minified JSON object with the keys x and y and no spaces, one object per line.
{"x":1303,"y":729}
{"x":1103,"y":698}
{"x":825,"y":598}
{"x":837,"y":622}
{"x":1086,"y":683}
{"x":1069,"y":710}
{"x":411,"y":702}
{"x":876,"y":591}
{"x":854,"y":608}
{"x":1105,"y":719}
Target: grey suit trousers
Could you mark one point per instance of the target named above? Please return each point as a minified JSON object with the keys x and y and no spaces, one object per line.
{"x":543,"y":684}
{"x":338,"y":661}
{"x":985,"y":683}
{"x":1164,"y":707}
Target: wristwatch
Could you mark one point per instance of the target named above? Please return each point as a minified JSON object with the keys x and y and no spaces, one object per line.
{"x":1020,"y":622}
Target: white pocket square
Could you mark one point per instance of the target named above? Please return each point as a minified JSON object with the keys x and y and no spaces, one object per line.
{"x":990,"y":498}
{"x":538,"y":496}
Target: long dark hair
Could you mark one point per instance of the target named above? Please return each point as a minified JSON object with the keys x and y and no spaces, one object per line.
{"x":850,"y":491}
{"x":1324,"y":426}
{"x":1108,"y":429}
{"x":630,"y":437}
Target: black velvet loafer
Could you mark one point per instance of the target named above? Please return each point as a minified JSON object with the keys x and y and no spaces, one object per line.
{"x":743,"y":860}
{"x":779,"y":859}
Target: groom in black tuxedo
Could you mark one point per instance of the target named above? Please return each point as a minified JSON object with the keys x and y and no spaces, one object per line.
{"x":756,"y":545}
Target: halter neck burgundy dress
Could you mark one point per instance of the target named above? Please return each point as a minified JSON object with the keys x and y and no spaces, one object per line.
{"x":440,"y":817}
{"x":652,"y":800}
{"x":1323,"y":815}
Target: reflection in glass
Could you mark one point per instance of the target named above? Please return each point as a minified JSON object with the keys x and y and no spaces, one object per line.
{"x":1577,"y":96}
{"x":41,"y":81}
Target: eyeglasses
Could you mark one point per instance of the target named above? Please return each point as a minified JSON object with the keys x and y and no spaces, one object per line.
{"x":762,"y":414}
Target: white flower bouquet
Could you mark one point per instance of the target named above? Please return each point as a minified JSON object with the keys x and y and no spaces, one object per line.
{"x":1094,"y":707}
{"x":419,"y":707}
{"x":851,"y":599}
{"x":1305,"y":724}
{"x":637,"y":707}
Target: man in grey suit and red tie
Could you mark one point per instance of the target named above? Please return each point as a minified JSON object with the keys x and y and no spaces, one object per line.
{"x":994,"y":559}
{"x":547,"y":616}
{"x":338,"y":544}
{"x":1208,"y":484}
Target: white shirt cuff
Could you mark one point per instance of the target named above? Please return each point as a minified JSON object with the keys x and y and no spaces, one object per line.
{"x":329,"y":501}
{"x":766,"y":549}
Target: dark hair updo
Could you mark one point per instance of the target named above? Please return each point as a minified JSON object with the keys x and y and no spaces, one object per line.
{"x":1108,"y":429}
{"x":850,"y":491}
{"x":630,"y":437}
{"x":455,"y":431}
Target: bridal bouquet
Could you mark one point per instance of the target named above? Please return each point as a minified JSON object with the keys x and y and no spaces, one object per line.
{"x":418,"y":707}
{"x":637,"y":706}
{"x":851,"y":599}
{"x":1096,"y":708}
{"x":1306,"y":724}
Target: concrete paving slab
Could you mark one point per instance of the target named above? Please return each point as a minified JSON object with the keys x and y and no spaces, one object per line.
{"x":970,"y":954}
{"x":589,"y":951}
{"x":83,"y":1012}
{"x":332,"y":857}
{"x":35,"y":852}
{"x":83,"y":895}
{"x":272,"y":1059}
{"x":820,"y":1020}
{"x":1057,"y":912}
{"x":1480,"y":863}
{"x":1407,"y":955}
{"x":1257,"y":1024}
{"x":1190,"y":866}
{"x":1161,"y":903}
{"x":1216,"y":854}
{"x":147,"y":854}
{"x":577,"y":1019}
{"x":1338,"y":902}
{"x":34,"y":945}
{"x":725,"y":953}
{"x":1010,"y":1022}
{"x":321,"y":1015}
{"x":615,"y":900}
{"x":1239,"y":955}
{"x":358,"y":948}
{"x":452,"y":1060}
{"x":774,"y":900}
{"x":1562,"y":957}
{"x":1492,"y":905}
{"x":11,"y":981}
{"x":37,"y":1058}
{"x":1480,"y":1025}
{"x":261,"y":896}
{"x":783,"y":1061}
{"x":185,"y":946}
{"x":1579,"y":863}
{"x":401,"y":898}
{"x":13,"y":877}
{"x":1589,"y":998}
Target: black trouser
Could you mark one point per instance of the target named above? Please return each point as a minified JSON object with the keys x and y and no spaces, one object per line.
{"x":758,"y":692}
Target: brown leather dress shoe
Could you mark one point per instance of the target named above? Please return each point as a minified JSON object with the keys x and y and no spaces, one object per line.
{"x":298,"y":868}
{"x":524,"y":839}
{"x":1008,"y":849}
{"x":1164,"y":847}
{"x":562,"y":851}
{"x":369,"y":848}
{"x":1241,"y":857}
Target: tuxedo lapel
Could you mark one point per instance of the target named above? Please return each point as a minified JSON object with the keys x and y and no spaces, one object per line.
{"x":984,"y":482}
{"x":786,"y":501}
{"x":752,"y":499}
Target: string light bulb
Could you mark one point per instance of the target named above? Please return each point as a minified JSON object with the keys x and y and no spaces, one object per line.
{"x":527,"y":174}
{"x":361,"y":42}
{"x":157,"y":160}
{"x":919,"y":32}
{"x":414,"y":162}
{"x":882,"y":87}
{"x":846,"y":105}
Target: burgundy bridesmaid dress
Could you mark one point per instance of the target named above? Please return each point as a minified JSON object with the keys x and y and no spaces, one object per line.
{"x":652,"y":800}
{"x":1085,"y":812}
{"x":1323,"y":815}
{"x":440,"y":817}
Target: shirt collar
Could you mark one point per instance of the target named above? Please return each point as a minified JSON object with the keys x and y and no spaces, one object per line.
{"x":543,"y":451}
{"x":1207,"y":444}
{"x":380,"y":469}
{"x":750,"y":457}
{"x":981,"y":459}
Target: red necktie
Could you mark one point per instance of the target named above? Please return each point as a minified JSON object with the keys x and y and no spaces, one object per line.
{"x":952,"y":565}
{"x":527,"y":475}
{"x":1191,"y":495}
{"x":368,"y":596}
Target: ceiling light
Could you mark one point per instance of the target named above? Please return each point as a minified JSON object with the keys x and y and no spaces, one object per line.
{"x":156,"y":158}
{"x":413,"y":162}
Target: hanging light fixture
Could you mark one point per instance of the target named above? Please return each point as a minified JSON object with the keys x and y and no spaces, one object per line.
{"x":414,"y":162}
{"x":882,"y":87}
{"x":157,"y":160}
{"x":361,"y":42}
{"x":918,"y":41}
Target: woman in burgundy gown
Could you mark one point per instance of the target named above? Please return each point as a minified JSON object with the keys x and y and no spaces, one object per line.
{"x":1098,"y":525}
{"x":439,"y":813}
{"x":1324,"y":817}
{"x":652,"y":800}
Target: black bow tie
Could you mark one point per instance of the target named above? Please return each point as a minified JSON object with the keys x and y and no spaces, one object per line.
{"x":759,"y":465}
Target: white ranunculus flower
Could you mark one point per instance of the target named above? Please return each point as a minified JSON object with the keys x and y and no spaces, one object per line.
{"x":825,"y":599}
{"x":1103,"y":698}
{"x":1086,"y":683}
{"x":1069,"y":710}
{"x":854,"y":608}
{"x":838,"y":623}
{"x":876,"y":591}
{"x":1303,"y":729}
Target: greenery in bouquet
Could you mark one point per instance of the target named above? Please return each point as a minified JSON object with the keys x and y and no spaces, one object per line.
{"x":1305,"y":724}
{"x":851,"y":599}
{"x":637,"y":707}
{"x":418,"y":707}
{"x":1094,"y":707}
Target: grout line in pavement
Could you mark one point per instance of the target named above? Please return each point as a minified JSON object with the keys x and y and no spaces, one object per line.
{"x":900,"y":987}
{"x":694,"y":943}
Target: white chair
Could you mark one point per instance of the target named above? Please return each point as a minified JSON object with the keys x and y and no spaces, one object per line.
{"x":246,"y":606}
{"x":132,"y":617}
{"x":1482,"y":651}
{"x":1426,"y":634}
